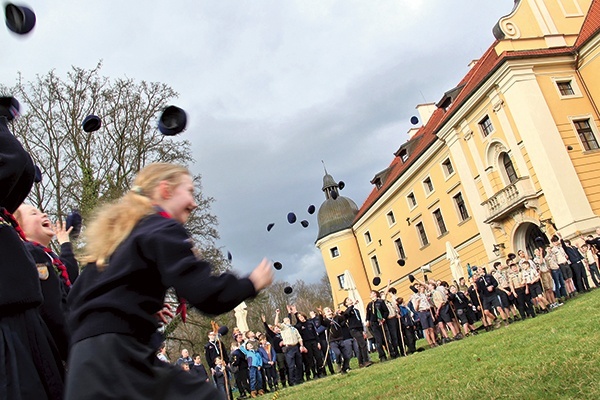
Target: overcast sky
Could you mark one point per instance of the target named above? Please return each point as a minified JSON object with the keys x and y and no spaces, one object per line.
{"x":271,"y":88}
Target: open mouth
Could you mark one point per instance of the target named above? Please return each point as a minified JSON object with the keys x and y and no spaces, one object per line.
{"x":47,"y":224}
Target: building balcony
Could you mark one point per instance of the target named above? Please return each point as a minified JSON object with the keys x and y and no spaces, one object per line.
{"x":509,"y":199}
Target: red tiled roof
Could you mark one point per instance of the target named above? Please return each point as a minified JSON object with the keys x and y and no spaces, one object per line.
{"x":477,"y":75}
{"x":591,"y":25}
{"x":397,"y":167}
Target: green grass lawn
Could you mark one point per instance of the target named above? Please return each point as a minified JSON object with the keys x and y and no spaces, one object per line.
{"x":554,"y":356}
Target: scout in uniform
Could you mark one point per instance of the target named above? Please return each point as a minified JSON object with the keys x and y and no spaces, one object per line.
{"x":507,"y":299}
{"x":137,"y":248}
{"x":423,"y":307}
{"x":518,"y":288}
{"x":534,"y":286}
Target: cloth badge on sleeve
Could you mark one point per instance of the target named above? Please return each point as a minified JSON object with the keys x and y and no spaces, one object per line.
{"x":42,"y":271}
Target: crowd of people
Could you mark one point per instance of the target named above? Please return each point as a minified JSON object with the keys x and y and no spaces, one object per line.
{"x":306,"y":346}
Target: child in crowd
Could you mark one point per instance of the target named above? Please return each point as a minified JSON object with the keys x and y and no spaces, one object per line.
{"x":559,"y":256}
{"x":162,"y":353}
{"x":137,"y":248}
{"x":269,"y":359}
{"x":591,"y":262}
{"x":546,"y":277}
{"x":464,"y":310}
{"x":534,"y":287}
{"x":560,"y":288}
{"x":518,"y":287}
{"x":423,"y":307}
{"x":408,"y":327}
{"x":221,"y":377}
{"x":255,"y":362}
{"x":198,"y":369}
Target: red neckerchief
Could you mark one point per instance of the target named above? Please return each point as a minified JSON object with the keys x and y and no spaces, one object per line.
{"x":182,"y":307}
{"x":62,"y":269}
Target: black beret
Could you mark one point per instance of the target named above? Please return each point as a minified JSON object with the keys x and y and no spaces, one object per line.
{"x":291,"y":217}
{"x":172,"y":121}
{"x":91,"y":123}
{"x":19,"y":19}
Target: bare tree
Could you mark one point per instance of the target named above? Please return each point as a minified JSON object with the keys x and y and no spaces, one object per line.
{"x":83,"y":169}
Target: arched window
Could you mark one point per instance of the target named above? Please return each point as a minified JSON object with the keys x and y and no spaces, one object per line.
{"x":509,"y":168}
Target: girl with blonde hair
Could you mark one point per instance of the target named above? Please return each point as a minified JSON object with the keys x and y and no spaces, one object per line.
{"x":137,"y":248}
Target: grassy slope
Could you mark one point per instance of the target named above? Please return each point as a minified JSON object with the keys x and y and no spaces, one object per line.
{"x":553,"y":356}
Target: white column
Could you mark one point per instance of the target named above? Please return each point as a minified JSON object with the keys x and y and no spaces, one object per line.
{"x":509,"y":134}
{"x":474,"y":153}
{"x":459,"y":158}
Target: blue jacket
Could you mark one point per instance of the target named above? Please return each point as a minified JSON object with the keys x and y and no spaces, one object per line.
{"x":253,"y":356}
{"x":267,"y":356}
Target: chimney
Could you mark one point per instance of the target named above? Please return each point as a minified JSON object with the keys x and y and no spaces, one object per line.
{"x":425,"y":111}
{"x":472,"y":63}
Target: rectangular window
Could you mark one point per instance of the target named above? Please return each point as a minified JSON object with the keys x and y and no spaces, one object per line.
{"x":341,"y":280}
{"x":461,"y":207}
{"x":586,"y":134}
{"x":439,"y":220}
{"x":390,"y":218}
{"x":375,"y":265}
{"x":367,"y":237}
{"x":447,"y":167}
{"x":334,"y":252}
{"x":400,"y":248}
{"x":422,"y":234}
{"x":428,"y":185}
{"x":486,"y":126}
{"x":565,"y":88}
{"x":412,"y":201}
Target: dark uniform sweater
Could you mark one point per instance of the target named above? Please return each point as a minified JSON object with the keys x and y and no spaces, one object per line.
{"x":54,"y":289}
{"x":124,"y":297}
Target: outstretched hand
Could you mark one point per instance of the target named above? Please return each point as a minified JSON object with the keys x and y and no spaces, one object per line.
{"x":262,"y":276}
{"x":62,"y":234}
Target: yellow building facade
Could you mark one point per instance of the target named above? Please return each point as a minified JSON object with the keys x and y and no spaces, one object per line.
{"x":503,"y":160}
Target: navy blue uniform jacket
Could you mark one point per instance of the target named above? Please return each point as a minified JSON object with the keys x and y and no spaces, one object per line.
{"x":124,"y":297}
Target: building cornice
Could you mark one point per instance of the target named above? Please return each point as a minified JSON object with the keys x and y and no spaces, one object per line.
{"x":333,"y":236}
{"x":513,"y":66}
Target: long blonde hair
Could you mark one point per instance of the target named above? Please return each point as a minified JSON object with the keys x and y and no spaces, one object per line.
{"x":113,"y":222}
